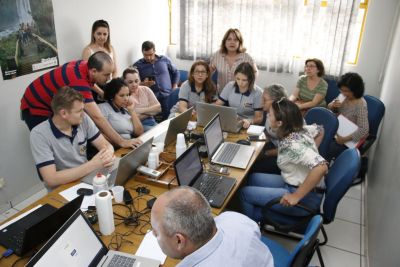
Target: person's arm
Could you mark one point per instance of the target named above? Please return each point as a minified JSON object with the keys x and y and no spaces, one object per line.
{"x":182,"y":106}
{"x":295,"y":94}
{"x":319,"y":137}
{"x":219,"y":102}
{"x":86,"y":53}
{"x":311,"y":181}
{"x":115,"y":71}
{"x":93,"y":111}
{"x":258,"y":116}
{"x":318,"y":98}
{"x":174,"y":74}
{"x":137,"y":124}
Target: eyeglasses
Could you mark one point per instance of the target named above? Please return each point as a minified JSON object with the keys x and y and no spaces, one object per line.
{"x":202,"y":72}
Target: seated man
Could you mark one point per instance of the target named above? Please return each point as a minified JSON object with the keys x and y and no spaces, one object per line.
{"x":59,"y":144}
{"x":158,"y":73}
{"x":185,"y":229}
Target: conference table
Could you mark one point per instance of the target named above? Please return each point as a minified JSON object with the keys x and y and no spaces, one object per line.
{"x":128,"y":238}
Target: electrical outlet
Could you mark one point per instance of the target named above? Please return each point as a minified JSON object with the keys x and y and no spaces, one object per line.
{"x":2,"y":182}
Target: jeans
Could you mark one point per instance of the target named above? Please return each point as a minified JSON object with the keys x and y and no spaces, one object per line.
{"x":262,"y":188}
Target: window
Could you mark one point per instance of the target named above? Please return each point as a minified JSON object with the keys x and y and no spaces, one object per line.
{"x":278,"y":34}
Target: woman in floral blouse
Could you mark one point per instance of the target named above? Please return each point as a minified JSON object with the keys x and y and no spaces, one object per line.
{"x":302,"y":168}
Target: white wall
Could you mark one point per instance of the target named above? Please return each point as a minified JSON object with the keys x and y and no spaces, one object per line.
{"x":131,"y":22}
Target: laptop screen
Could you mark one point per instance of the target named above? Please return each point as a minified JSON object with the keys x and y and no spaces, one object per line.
{"x":76,"y":244}
{"x":213,"y":136}
{"x":188,"y":166}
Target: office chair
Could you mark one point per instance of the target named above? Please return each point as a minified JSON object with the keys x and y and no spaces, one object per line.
{"x":333,"y":90}
{"x":214,"y":77}
{"x":183,"y":76}
{"x":376,"y":111}
{"x":338,"y":180}
{"x":172,"y":99}
{"x":329,"y":121}
{"x":304,"y":250}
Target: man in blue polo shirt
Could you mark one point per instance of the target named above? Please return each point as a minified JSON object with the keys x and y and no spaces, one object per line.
{"x":59,"y":144}
{"x":158,"y":73}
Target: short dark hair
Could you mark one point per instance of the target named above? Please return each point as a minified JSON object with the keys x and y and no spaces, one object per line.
{"x":64,"y":99}
{"x":319,"y":64}
{"x":97,"y":60}
{"x":354,"y":82}
{"x":289,"y":114}
{"x":147,"y":45}
{"x":248,"y":70}
{"x":113,"y":87}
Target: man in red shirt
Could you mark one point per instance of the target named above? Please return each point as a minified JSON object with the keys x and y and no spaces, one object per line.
{"x":81,"y":76}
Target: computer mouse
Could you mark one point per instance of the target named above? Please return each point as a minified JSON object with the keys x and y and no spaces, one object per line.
{"x":243,"y":142}
{"x":84,"y":191}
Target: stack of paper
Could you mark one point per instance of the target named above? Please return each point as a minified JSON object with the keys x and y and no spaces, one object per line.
{"x":347,"y":127}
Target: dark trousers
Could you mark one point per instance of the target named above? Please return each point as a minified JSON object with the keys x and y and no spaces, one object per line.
{"x":163,"y":99}
{"x":32,"y":120}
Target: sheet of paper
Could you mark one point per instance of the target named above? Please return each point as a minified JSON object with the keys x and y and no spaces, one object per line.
{"x":19,"y":217}
{"x":70,"y":193}
{"x":346,"y":127}
{"x":149,"y":248}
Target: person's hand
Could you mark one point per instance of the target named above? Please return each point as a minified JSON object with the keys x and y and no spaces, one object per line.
{"x":131,"y":143}
{"x":340,"y":139}
{"x":103,"y":159}
{"x":246,"y":123}
{"x":288,"y":200}
{"x":131,"y":106}
{"x":148,"y":82}
{"x":336,"y":104}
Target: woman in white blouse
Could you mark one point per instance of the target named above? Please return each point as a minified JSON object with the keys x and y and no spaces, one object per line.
{"x":298,"y":158}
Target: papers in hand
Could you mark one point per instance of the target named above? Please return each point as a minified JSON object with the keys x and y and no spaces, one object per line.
{"x":347,"y":127}
{"x":149,"y":248}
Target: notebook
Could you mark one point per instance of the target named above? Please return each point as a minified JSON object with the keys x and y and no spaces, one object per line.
{"x":189,"y":171}
{"x":225,"y":153}
{"x":229,"y":119}
{"x":36,"y":227}
{"x":126,"y":167}
{"x":77,"y":244}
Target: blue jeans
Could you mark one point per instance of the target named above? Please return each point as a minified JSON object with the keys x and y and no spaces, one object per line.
{"x":263,"y":187}
{"x":148,"y":123}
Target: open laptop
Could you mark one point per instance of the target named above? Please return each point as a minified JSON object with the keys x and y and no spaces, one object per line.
{"x":230,"y":122}
{"x":126,"y":167}
{"x":77,"y":244}
{"x":225,"y":153}
{"x":36,"y":227}
{"x":177,"y":125}
{"x":189,"y":171}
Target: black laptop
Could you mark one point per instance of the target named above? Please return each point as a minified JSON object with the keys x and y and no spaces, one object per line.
{"x":189,"y":171}
{"x":36,"y":227}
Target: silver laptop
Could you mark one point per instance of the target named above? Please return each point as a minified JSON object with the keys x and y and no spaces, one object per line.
{"x":177,"y":125}
{"x":125,"y":167}
{"x":225,"y":153}
{"x":77,"y":244}
{"x":230,"y":121}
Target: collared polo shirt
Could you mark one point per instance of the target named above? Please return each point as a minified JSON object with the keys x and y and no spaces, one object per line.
{"x":246,"y":104}
{"x":120,"y":119}
{"x":50,"y":146}
{"x":236,"y":243}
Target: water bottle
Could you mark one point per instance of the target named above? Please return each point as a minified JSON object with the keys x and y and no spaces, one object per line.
{"x":99,"y":183}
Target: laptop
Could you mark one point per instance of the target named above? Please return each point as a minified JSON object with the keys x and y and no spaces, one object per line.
{"x":36,"y":227}
{"x":189,"y":171}
{"x":225,"y":153}
{"x":126,"y":167}
{"x":77,"y":244}
{"x":230,"y":121}
{"x":177,"y":125}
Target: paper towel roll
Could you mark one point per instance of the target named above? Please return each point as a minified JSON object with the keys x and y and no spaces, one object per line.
{"x":105,"y":212}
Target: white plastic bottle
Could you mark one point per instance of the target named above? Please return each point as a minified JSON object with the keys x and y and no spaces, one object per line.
{"x":99,"y":183}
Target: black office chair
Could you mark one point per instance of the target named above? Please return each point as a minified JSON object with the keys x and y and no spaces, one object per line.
{"x":183,"y":76}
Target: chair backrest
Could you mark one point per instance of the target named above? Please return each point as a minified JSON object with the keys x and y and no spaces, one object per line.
{"x":376,"y":110}
{"x":214,"y":77}
{"x":338,"y":180}
{"x":183,"y":76}
{"x":329,"y":121}
{"x":302,"y":254}
{"x":333,"y":90}
{"x":173,"y":98}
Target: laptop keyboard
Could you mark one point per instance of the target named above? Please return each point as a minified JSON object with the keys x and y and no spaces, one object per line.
{"x":228,"y":153}
{"x":121,"y":261}
{"x":209,"y":184}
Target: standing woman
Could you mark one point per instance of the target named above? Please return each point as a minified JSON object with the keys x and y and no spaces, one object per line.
{"x":198,"y":88}
{"x":298,"y":158}
{"x":100,"y":41}
{"x":311,"y":87}
{"x":142,"y":98}
{"x":243,"y":95}
{"x":118,"y":111}
{"x":228,"y":57}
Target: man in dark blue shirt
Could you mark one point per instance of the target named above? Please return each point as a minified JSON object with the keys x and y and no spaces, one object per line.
{"x":158,"y":73}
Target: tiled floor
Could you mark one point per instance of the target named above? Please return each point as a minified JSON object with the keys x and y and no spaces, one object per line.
{"x":345,"y":245}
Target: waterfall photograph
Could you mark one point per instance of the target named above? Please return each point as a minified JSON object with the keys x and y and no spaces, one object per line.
{"x":27,"y":37}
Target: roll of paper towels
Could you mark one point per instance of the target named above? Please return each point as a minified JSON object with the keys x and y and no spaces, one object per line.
{"x":105,"y":212}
